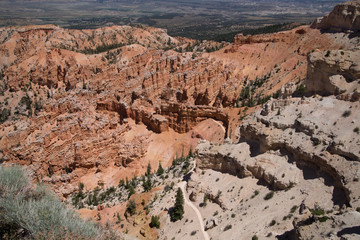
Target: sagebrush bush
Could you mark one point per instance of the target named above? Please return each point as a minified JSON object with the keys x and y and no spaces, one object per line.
{"x":37,"y":212}
{"x":12,"y":180}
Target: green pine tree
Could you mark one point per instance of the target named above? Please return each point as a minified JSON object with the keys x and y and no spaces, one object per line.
{"x":148,"y":170}
{"x":155,"y":222}
{"x":127,"y":185}
{"x":131,"y":190}
{"x":147,"y":185}
{"x":178,"y":210}
{"x":160,"y":170}
{"x":191,"y":154}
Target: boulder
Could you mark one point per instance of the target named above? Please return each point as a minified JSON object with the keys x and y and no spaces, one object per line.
{"x":211,"y":223}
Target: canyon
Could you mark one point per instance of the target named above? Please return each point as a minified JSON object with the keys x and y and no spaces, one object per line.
{"x":269,"y":124}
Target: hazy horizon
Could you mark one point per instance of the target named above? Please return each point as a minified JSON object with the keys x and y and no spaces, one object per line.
{"x":196,"y":19}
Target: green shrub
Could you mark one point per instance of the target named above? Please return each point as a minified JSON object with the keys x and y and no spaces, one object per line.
{"x":293,"y":209}
{"x":121,"y":183}
{"x":269,"y":195}
{"x":227,"y":227}
{"x":37,"y":211}
{"x":289,"y":216}
{"x":346,"y":113}
{"x":254,"y":238}
{"x":317,"y":211}
{"x":155,"y":222}
{"x":255,"y":194}
{"x":12,"y":180}
{"x":4,"y":115}
{"x":102,"y":48}
{"x":131,"y":191}
{"x":300,"y":90}
{"x":131,"y":207}
{"x":323,"y":219}
{"x":206,"y":198}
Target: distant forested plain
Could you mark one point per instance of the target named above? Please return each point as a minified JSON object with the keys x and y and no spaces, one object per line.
{"x":198,"y":19}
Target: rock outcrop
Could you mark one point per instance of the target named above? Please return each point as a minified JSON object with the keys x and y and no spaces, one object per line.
{"x":320,"y":132}
{"x":271,"y":167}
{"x":287,"y":145}
{"x":96,"y":106}
{"x":344,"y":17}
{"x":333,"y":226}
{"x":334,"y":73}
{"x":240,"y":39}
{"x":183,"y":117}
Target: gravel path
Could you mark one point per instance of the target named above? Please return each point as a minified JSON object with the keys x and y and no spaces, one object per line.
{"x":198,"y":214}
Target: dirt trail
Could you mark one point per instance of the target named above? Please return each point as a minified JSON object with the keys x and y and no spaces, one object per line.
{"x":198,"y":214}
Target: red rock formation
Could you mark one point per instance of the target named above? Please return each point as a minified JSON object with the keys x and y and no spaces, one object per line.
{"x":92,"y":116}
{"x":241,"y":39}
{"x":183,"y":118}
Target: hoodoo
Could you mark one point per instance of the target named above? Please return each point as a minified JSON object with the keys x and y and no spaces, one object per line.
{"x":261,"y":136}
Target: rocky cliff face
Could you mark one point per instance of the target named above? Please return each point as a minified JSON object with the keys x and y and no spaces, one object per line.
{"x":285,"y":146}
{"x":235,"y":159}
{"x":309,"y":139}
{"x":344,"y":17}
{"x":289,"y":143}
{"x":96,"y":106}
{"x":334,"y":73}
{"x":98,"y":80}
{"x":71,"y":98}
